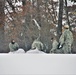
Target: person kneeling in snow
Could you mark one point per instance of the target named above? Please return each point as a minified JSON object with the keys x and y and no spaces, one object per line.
{"x":37,"y":46}
{"x":54,"y":45}
{"x":13,"y":46}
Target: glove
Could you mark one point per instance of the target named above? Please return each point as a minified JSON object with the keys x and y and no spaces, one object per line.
{"x":60,"y":46}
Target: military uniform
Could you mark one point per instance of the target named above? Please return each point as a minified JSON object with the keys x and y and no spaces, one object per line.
{"x":54,"y":47}
{"x":37,"y":44}
{"x":66,"y":40}
{"x":13,"y":47}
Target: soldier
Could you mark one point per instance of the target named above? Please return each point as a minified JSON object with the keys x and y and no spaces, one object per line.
{"x":54,"y":45}
{"x":13,"y":46}
{"x":37,"y":46}
{"x":66,"y":40}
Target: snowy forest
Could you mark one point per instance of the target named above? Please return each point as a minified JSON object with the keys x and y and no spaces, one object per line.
{"x":26,"y":20}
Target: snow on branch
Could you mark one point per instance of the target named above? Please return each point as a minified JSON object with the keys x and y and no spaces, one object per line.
{"x":37,"y":24}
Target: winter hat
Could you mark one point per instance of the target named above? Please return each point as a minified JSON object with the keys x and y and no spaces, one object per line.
{"x":66,"y":26}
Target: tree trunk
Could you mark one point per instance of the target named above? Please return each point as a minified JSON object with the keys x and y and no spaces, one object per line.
{"x":53,"y":12}
{"x":66,"y":10}
{"x":23,"y":2}
{"x":59,"y":29}
{"x":2,"y":19}
{"x":38,"y":12}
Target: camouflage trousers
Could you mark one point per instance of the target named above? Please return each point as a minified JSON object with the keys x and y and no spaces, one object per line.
{"x":66,"y":49}
{"x":57,"y":51}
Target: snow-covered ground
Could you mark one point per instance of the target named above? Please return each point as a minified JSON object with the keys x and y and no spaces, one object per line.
{"x":35,"y":51}
{"x":18,"y":51}
{"x":21,"y":51}
{"x":48,"y":64}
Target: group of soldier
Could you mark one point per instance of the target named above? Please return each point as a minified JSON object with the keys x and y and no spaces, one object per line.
{"x":65,"y":42}
{"x":61,"y":47}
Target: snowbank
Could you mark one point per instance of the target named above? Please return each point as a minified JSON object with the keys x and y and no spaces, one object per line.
{"x":35,"y":51}
{"x":18,"y":51}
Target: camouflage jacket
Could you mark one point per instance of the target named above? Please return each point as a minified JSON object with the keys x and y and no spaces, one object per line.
{"x":13,"y":47}
{"x":54,"y":45}
{"x":66,"y":37}
{"x":37,"y":44}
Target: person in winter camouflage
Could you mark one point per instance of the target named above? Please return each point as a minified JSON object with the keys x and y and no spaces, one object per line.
{"x":37,"y":44}
{"x":13,"y":46}
{"x":54,"y":45}
{"x":37,"y":47}
{"x":66,"y":40}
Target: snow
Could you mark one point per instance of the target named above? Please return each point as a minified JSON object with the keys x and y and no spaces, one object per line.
{"x":18,"y":3}
{"x":73,"y":24}
{"x":18,"y":51}
{"x":48,"y":20}
{"x":50,"y":6}
{"x":5,"y":11}
{"x":19,"y":9}
{"x":41,"y":6}
{"x":55,"y":33}
{"x":52,"y":30}
{"x":46,"y":11}
{"x":35,"y":4}
{"x":55,"y":0}
{"x":43,"y":16}
{"x":21,"y":51}
{"x":69,"y":3}
{"x":56,"y":18}
{"x":70,"y":18}
{"x":21,"y":34}
{"x":9,"y":9}
{"x":31,"y":1}
{"x":9,"y":17}
{"x":48,"y":64}
{"x":73,"y":17}
{"x":37,"y":24}
{"x":57,"y":10}
{"x":73,"y":29}
{"x":56,"y":25}
{"x":64,"y":22}
{"x":75,"y":3}
{"x":35,"y":51}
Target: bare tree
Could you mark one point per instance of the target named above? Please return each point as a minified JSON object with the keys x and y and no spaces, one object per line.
{"x":38,"y":12}
{"x":2,"y":19}
{"x":59,"y":29}
{"x":67,"y":12}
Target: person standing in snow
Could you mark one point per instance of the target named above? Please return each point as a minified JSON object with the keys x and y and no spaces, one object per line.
{"x":66,"y":40}
{"x":13,"y":46}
